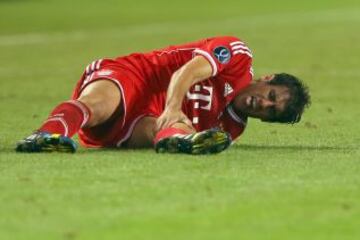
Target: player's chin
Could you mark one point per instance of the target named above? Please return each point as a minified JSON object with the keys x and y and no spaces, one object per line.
{"x":255,"y":114}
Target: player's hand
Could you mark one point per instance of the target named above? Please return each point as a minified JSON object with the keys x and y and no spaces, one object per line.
{"x":170,"y":117}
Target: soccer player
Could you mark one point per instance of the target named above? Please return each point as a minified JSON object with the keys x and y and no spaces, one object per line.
{"x":192,"y":98}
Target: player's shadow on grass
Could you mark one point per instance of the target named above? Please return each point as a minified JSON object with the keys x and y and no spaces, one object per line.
{"x":241,"y":147}
{"x":11,"y":150}
{"x":291,"y":147}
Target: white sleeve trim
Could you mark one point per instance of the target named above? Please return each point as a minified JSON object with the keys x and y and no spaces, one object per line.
{"x":234,"y":115}
{"x":211,"y":60}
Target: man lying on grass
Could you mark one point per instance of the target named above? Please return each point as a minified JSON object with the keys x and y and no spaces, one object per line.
{"x":192,"y":98}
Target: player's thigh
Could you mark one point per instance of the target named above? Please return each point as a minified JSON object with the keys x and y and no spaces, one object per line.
{"x":143,"y":133}
{"x":103,"y":98}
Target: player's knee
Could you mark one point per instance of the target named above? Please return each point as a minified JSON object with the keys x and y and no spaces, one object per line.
{"x":97,"y":109}
{"x":102,"y":98}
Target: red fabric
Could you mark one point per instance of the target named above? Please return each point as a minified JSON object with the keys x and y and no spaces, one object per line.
{"x":168,"y":132}
{"x":232,"y":123}
{"x":143,"y":80}
{"x":67,"y":118}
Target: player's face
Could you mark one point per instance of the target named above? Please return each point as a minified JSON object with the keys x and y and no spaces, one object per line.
{"x":262,"y":100}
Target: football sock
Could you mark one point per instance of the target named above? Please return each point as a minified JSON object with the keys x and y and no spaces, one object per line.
{"x":169,"y":132}
{"x":67,"y":118}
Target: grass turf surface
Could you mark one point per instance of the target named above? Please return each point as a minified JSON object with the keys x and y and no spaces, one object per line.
{"x":276,"y":182}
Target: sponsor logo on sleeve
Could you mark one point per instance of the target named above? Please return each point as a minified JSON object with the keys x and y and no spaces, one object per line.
{"x":222,"y":54}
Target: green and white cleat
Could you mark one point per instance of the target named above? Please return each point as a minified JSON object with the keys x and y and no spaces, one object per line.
{"x":46,"y":142}
{"x":205,"y":142}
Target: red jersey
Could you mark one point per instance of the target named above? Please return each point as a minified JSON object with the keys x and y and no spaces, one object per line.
{"x":143,"y":79}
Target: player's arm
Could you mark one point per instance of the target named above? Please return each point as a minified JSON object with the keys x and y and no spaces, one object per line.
{"x":194,"y":71}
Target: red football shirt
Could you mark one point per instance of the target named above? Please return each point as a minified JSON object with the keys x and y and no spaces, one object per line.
{"x":207,"y":103}
{"x":144,"y":79}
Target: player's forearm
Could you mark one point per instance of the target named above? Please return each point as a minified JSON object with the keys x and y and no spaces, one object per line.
{"x":196,"y":70}
{"x":180,"y":83}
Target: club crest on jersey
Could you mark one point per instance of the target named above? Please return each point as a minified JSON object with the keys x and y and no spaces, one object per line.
{"x":222,"y":54}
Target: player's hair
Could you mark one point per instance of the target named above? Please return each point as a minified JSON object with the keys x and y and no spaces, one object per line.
{"x":299,"y":98}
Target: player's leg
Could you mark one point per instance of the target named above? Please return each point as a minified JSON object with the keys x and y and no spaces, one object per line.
{"x":96,"y":104}
{"x":180,"y":138}
{"x":144,"y":132}
{"x":102,"y":98}
{"x":175,"y":140}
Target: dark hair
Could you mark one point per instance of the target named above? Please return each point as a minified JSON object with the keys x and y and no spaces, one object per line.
{"x":299,"y":98}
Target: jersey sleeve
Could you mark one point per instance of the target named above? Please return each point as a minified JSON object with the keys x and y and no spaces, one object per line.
{"x":225,"y":53}
{"x":232,"y":123}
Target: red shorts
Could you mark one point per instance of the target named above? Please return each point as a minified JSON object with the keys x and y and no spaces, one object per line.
{"x":137,"y":101}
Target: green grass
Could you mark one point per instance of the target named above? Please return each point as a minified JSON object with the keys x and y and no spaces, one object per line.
{"x":276,"y":182}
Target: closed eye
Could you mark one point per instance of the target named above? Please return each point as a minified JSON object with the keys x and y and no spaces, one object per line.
{"x":272,"y":95}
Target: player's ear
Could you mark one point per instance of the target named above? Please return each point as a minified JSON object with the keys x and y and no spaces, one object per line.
{"x":267,"y":78}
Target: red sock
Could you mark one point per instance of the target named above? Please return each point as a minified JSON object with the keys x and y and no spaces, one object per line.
{"x":67,"y":118}
{"x":168,"y":132}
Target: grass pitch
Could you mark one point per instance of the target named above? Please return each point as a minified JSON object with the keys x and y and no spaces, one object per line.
{"x":276,"y":182}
